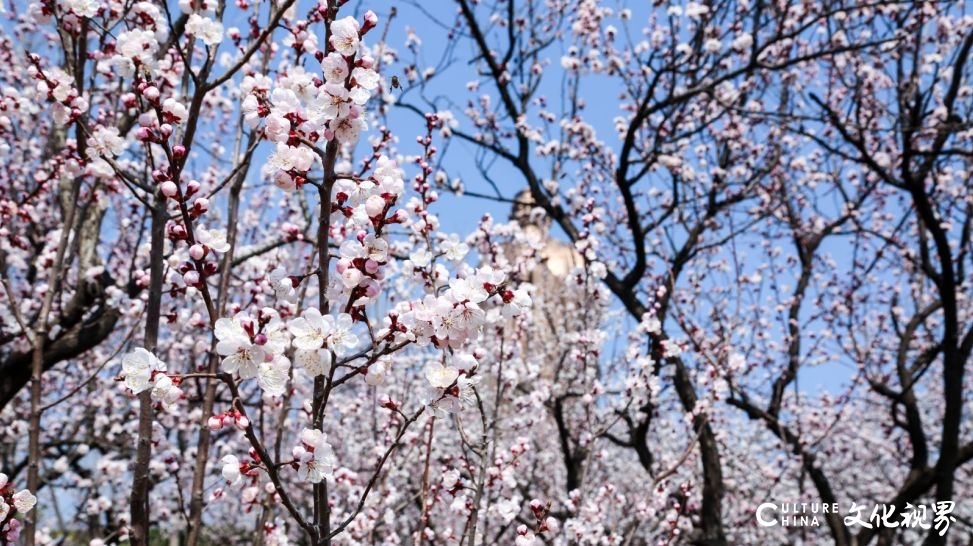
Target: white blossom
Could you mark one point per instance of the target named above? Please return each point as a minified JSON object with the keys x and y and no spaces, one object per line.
{"x":82,"y":8}
{"x":174,"y":110}
{"x":344,"y":36}
{"x":231,"y":469}
{"x":215,"y":239}
{"x":314,"y":361}
{"x":24,"y":501}
{"x":272,"y":376}
{"x":343,"y":341}
{"x":138,"y":366}
{"x":204,"y":28}
{"x":239,"y":352}
{"x":378,"y":372}
{"x":282,"y":284}
{"x":165,"y":392}
{"x":105,"y":141}
{"x":441,"y":377}
{"x":315,"y":456}
{"x":311,"y":329}
{"x":335,"y":68}
{"x":137,"y":44}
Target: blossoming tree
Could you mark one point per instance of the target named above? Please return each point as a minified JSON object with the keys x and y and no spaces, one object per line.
{"x":154,"y":119}
{"x":779,"y":192}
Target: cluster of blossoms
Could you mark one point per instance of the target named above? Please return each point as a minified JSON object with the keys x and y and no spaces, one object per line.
{"x":454,"y":317}
{"x":12,"y":502}
{"x":134,"y":47}
{"x":230,"y":418}
{"x":255,"y":348}
{"x":58,"y":86}
{"x":202,"y":26}
{"x":317,"y":337}
{"x":296,"y":113}
{"x":527,"y":536}
{"x":313,"y":456}
{"x":303,"y":108}
{"x":451,"y":320}
{"x":142,"y":370}
{"x":452,"y":385}
{"x":368,"y":204}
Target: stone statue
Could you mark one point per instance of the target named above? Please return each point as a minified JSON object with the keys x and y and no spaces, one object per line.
{"x":559,"y":258}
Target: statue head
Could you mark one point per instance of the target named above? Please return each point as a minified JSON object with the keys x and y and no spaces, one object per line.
{"x":526,"y":212}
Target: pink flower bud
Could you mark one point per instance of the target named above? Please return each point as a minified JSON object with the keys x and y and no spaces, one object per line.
{"x":151,"y":93}
{"x":371,"y":266}
{"x":284,"y":181}
{"x":169,"y":188}
{"x":241,"y":422}
{"x":13,"y":531}
{"x":260,"y":339}
{"x":129,"y":100}
{"x":265,"y":314}
{"x":191,"y":278}
{"x":386,"y":402}
{"x":143,"y":134}
{"x":177,"y":231}
{"x":196,"y":321}
{"x":371,"y":289}
{"x":165,"y":129}
{"x":370,"y":21}
{"x":147,"y":119}
{"x":215,"y":423}
{"x":201,"y":204}
{"x":192,"y":187}
{"x":374,"y":206}
{"x":179,"y":151}
{"x":197,"y":251}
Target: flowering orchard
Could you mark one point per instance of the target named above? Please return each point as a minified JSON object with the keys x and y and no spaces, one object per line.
{"x":732,"y":304}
